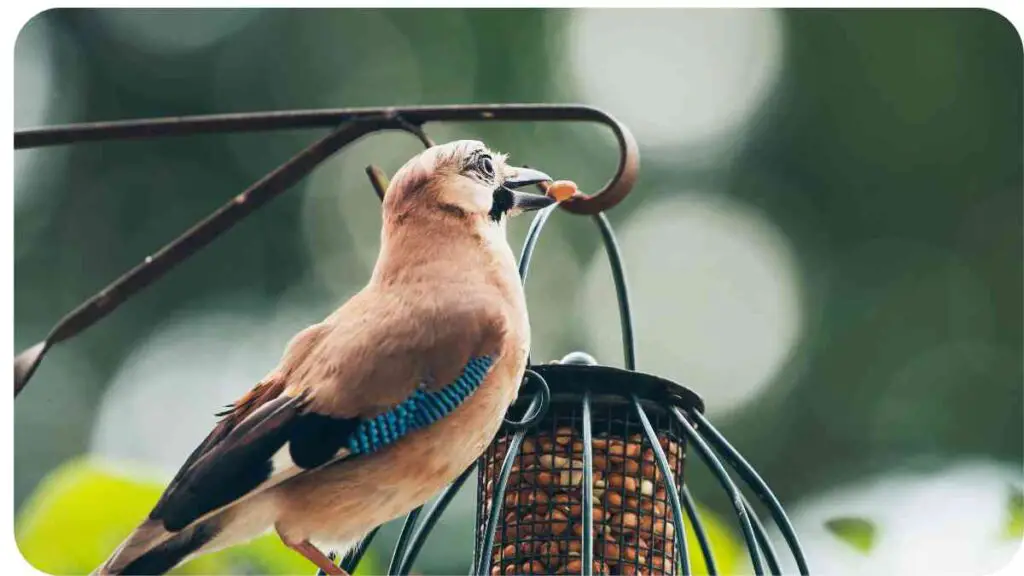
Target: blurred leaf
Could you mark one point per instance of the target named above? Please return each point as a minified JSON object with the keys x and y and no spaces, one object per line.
{"x":82,"y":510}
{"x":1015,"y":513}
{"x":79,"y":513}
{"x":857,"y":532}
{"x":725,"y":548}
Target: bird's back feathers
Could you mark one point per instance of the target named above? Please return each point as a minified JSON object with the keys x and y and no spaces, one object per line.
{"x":388,"y":362}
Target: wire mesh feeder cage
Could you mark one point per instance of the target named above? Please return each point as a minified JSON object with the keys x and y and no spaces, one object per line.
{"x":591,"y":446}
{"x":586,"y":475}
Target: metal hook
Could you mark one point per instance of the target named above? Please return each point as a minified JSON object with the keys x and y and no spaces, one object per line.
{"x":349,"y":125}
{"x":409,"y":119}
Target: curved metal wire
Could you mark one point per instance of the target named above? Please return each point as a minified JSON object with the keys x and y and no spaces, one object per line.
{"x":351,"y":562}
{"x":749,"y":522}
{"x":403,"y":540}
{"x":587,"y":545}
{"x":533,"y":415}
{"x":496,"y":503}
{"x":682,"y":556}
{"x":423,"y":530}
{"x":529,"y":245}
{"x":764,"y":544}
{"x":758,"y":485}
{"x":735,"y":497}
{"x":611,"y":248}
{"x":698,"y":530}
{"x":348,"y":124}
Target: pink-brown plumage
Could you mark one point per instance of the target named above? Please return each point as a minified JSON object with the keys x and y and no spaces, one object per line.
{"x":445,"y":290}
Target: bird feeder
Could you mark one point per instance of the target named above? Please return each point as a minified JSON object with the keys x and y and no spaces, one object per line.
{"x":590,"y":451}
{"x":587,"y":474}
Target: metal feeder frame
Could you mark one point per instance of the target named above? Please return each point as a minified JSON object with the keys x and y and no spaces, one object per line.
{"x":577,"y":374}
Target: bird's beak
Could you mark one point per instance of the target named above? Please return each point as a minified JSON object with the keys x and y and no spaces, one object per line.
{"x":525,"y":201}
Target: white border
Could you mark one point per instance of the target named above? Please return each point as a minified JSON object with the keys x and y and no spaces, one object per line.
{"x":18,"y":13}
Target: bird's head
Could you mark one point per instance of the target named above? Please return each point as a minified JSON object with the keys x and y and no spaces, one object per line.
{"x":462,"y":180}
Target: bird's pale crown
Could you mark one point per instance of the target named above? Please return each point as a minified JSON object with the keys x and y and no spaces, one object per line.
{"x":462,"y":179}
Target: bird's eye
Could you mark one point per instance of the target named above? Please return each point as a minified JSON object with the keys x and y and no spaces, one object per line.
{"x":486,"y":166}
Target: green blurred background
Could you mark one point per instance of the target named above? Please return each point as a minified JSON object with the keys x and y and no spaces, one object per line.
{"x":825,"y":243}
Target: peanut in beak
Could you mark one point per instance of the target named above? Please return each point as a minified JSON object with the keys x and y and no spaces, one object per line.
{"x":562,"y":190}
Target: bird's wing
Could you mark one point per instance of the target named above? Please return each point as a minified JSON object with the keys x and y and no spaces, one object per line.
{"x":372,"y":373}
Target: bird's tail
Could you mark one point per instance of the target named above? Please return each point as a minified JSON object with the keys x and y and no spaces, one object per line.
{"x":151,"y":549}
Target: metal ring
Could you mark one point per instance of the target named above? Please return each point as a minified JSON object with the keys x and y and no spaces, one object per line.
{"x":538,"y":407}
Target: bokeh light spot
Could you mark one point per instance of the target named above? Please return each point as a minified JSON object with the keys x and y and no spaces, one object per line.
{"x":677,"y":77}
{"x":715,"y":294}
{"x":174,"y":30}
{"x":161,"y":403}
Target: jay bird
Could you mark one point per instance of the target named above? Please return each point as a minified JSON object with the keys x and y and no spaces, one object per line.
{"x":373,"y":410}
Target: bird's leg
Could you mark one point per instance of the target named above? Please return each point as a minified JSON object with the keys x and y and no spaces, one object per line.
{"x":314,"y":555}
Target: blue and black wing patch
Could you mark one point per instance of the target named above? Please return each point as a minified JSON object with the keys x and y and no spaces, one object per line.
{"x":418,"y":411}
{"x":316,"y":438}
{"x":237,"y":457}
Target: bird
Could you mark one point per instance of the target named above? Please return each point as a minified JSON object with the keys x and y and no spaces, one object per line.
{"x":371,"y":411}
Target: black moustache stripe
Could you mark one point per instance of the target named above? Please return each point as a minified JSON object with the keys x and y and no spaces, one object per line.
{"x":502,"y":203}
